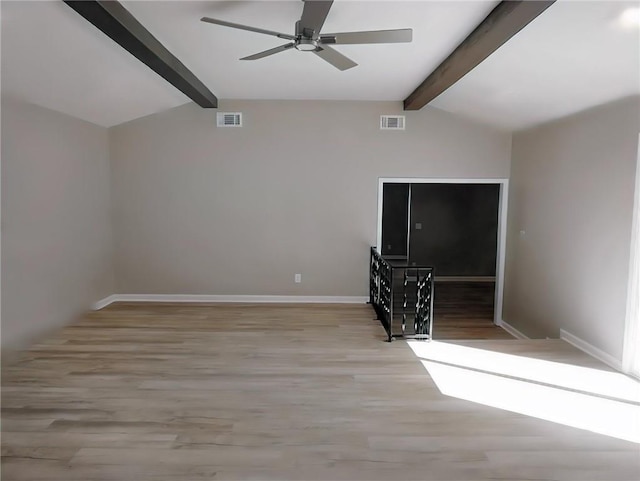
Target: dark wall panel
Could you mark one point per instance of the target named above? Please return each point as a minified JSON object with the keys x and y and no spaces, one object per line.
{"x":454,"y":227}
{"x":395,"y":211}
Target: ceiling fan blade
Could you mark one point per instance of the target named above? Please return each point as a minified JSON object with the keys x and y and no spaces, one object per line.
{"x":314,"y":14}
{"x":271,"y":51}
{"x":375,"y":36}
{"x":246,"y":27}
{"x":335,"y":58}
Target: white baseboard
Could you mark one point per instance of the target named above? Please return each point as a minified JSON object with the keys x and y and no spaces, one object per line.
{"x":591,"y":350}
{"x":104,"y":302}
{"x":512,"y":330}
{"x":224,"y":298}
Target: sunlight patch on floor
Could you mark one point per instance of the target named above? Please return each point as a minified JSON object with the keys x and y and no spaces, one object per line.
{"x":599,"y":401}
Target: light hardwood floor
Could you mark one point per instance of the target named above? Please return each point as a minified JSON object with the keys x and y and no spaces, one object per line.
{"x":238,"y":392}
{"x":464,"y":310}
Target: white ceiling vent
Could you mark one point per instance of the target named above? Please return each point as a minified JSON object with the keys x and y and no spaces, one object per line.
{"x":392,"y":122}
{"x":229,"y":119}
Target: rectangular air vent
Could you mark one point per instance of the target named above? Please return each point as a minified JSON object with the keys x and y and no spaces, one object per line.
{"x":392,"y":122}
{"x":229,"y":119}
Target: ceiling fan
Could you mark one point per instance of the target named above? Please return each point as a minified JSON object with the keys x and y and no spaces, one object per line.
{"x":309,"y":39}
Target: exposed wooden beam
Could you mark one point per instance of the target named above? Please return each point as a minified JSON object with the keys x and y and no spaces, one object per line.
{"x":117,"y":23}
{"x":504,"y":21}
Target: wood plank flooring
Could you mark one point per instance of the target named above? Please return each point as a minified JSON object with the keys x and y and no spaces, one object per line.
{"x":464,"y":310}
{"x":249,"y":392}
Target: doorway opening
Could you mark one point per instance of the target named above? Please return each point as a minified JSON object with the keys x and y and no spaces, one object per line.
{"x":459,"y":227}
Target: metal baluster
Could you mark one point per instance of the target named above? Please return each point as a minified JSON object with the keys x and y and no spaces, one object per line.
{"x":371,"y":277}
{"x":405,"y":281}
{"x":431,"y":294}
{"x":420,"y":306}
{"x":416,"y":317}
{"x":389,"y":300}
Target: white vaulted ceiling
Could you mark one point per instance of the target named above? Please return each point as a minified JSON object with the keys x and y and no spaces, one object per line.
{"x":384,"y":72}
{"x":53,"y":57}
{"x":574,"y":56}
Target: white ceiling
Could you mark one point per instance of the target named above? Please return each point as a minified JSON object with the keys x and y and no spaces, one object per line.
{"x":385,"y":72}
{"x":53,"y":57}
{"x":572,"y":57}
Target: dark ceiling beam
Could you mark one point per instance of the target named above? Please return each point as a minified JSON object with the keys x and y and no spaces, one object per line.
{"x":118,"y":24}
{"x":504,"y":21}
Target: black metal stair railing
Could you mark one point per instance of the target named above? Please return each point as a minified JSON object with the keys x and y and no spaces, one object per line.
{"x":380,"y":289}
{"x":423,"y":321}
{"x":412,"y":286}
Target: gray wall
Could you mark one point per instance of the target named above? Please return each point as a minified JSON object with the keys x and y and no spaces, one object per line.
{"x":571,"y":192}
{"x":56,"y":229}
{"x":206,"y":210}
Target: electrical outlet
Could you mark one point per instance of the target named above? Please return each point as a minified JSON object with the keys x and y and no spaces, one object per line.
{"x":297,"y":278}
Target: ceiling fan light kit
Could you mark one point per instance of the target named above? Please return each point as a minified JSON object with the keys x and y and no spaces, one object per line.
{"x":306,"y":44}
{"x":309,"y":39}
